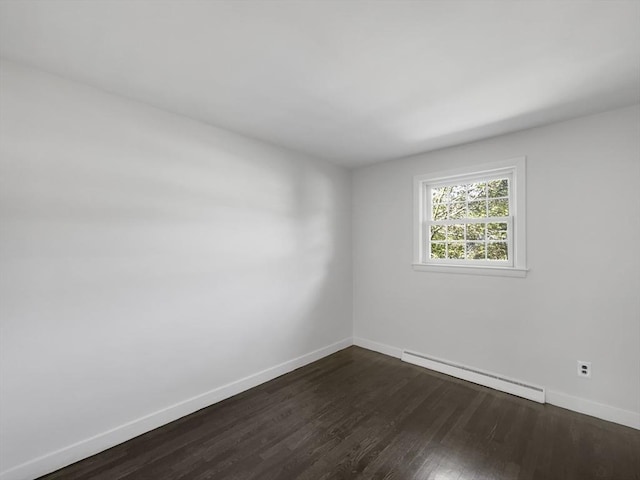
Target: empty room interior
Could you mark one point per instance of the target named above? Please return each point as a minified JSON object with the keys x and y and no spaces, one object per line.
{"x":281,"y":240}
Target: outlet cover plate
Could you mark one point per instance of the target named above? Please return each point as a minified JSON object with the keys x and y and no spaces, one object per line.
{"x":584,"y":369}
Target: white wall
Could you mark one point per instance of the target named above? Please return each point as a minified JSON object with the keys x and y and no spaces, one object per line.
{"x":147,"y":258}
{"x":581,"y":298}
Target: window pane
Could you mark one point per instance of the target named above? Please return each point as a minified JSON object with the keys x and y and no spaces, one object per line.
{"x":475,"y":251}
{"x":476,"y":190}
{"x":439,"y":212}
{"x":497,"y":231}
{"x":497,"y":251}
{"x":499,"y":188}
{"x":438,"y":232}
{"x":455,"y":232}
{"x":478,"y":209}
{"x":499,"y":208}
{"x":457,"y":210}
{"x":438,"y":250}
{"x":458,"y":193}
{"x":475,"y":231}
{"x":456,"y":250}
{"x":440,"y":195}
{"x":467,"y":217}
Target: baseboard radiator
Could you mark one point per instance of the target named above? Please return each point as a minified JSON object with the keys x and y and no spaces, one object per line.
{"x":487,"y":379}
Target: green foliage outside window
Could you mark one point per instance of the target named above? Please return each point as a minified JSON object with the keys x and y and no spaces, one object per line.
{"x":473,"y":237}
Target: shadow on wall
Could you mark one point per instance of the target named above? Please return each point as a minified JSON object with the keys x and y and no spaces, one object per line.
{"x":147,"y":258}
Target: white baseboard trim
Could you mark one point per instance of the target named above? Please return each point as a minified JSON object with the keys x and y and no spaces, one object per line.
{"x":481,"y":377}
{"x":378,"y":347}
{"x":594,"y":409}
{"x":98,"y":443}
{"x":588,"y":407}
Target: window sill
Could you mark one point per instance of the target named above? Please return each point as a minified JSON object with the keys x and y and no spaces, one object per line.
{"x":471,"y":270}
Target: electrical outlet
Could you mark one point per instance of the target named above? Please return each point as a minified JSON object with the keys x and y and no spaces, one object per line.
{"x":584,"y":369}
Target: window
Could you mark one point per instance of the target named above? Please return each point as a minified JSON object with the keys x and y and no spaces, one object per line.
{"x":472,"y":221}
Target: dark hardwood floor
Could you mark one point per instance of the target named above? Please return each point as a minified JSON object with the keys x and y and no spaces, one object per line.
{"x":359,"y":414}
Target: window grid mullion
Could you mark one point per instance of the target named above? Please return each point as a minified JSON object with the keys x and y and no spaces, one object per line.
{"x":458,"y":221}
{"x":445,"y":202}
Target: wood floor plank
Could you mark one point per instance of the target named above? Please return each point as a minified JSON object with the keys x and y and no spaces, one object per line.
{"x":359,"y":414}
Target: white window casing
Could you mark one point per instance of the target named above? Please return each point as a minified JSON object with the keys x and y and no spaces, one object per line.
{"x":514,"y":171}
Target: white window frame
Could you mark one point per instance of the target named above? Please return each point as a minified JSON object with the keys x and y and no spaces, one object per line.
{"x":515,"y":170}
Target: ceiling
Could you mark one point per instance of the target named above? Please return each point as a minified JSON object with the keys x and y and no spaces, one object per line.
{"x":354,"y":82}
